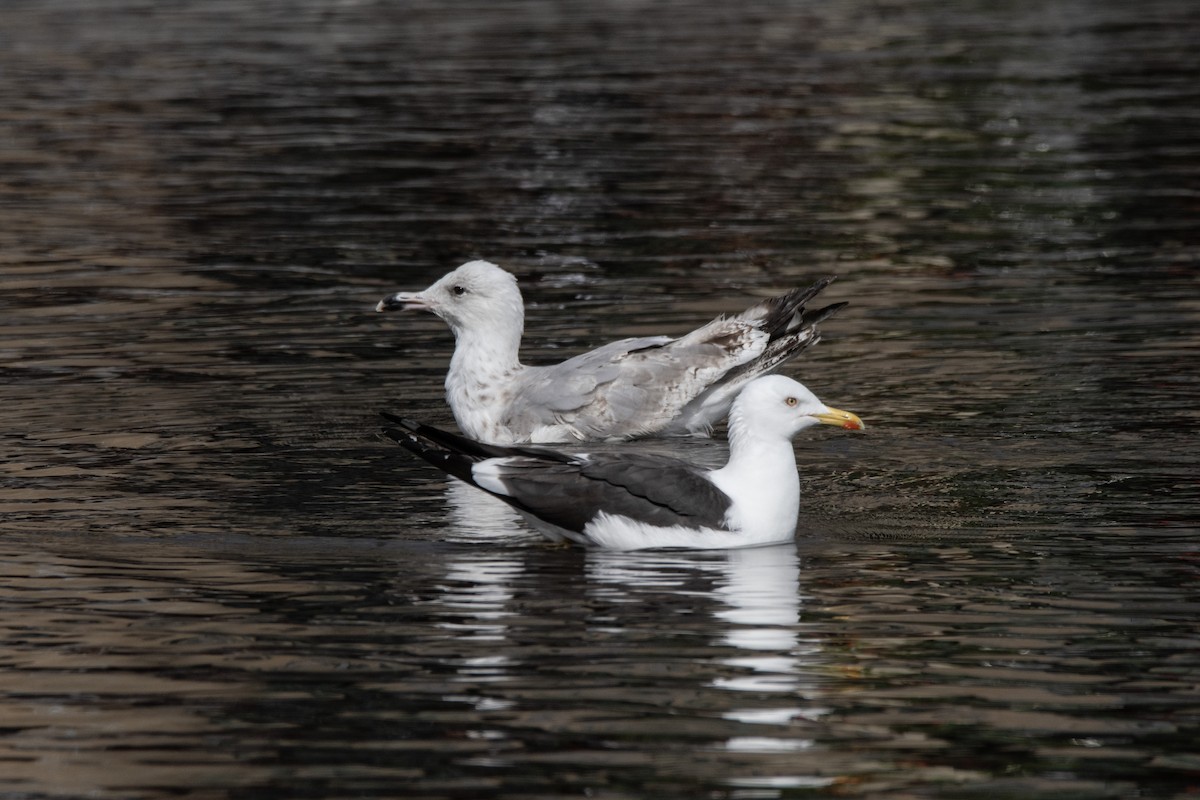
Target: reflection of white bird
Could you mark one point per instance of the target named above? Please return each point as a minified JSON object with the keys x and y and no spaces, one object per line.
{"x":629,"y":501}
{"x":477,"y":516}
{"x":634,"y":387}
{"x":762,"y":596}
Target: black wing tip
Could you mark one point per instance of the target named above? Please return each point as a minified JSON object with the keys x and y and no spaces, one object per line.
{"x":409,"y":433}
{"x":396,"y":435}
{"x":825,"y":312}
{"x":818,"y":286}
{"x":403,"y":422}
{"x":447,"y":460}
{"x":787,"y":315}
{"x":409,"y":440}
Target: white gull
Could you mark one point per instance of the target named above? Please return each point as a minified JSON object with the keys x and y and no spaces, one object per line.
{"x":654,"y":385}
{"x":633,"y":501}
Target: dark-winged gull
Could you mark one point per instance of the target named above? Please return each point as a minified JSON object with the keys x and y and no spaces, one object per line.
{"x":655,"y":385}
{"x":631,"y":501}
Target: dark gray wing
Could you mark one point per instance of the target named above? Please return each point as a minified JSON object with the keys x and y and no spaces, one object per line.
{"x":656,"y":490}
{"x":571,"y":490}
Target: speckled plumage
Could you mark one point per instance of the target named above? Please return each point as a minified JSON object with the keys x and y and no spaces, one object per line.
{"x":655,"y":385}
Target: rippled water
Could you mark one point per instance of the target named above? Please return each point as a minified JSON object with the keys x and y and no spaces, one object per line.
{"x":217,"y":582}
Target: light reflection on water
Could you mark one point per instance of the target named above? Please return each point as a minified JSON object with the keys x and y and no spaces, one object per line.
{"x":762,"y":663}
{"x":217,"y":581}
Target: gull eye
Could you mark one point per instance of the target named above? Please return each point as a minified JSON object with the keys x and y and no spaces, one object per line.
{"x":459,"y":291}
{"x":791,"y":402}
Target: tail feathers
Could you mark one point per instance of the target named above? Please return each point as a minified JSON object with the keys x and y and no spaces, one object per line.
{"x":810,"y":318}
{"x":794,"y":331}
{"x":775,"y":354}
{"x":785,"y":315}
{"x":782,"y":348}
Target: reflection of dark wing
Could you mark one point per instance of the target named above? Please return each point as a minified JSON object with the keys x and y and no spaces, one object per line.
{"x":570,"y":491}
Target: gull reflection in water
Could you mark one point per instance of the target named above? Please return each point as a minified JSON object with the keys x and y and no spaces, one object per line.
{"x":757,"y":614}
{"x":762,"y":599}
{"x":761,"y":593}
{"x":477,"y":515}
{"x":474,"y":600}
{"x":478,"y":588}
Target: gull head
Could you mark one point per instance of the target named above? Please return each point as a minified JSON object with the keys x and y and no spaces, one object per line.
{"x":475,"y":295}
{"x":776,"y":405}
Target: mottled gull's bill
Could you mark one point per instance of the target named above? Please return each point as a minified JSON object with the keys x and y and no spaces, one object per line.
{"x":656,"y":385}
{"x":633,"y":500}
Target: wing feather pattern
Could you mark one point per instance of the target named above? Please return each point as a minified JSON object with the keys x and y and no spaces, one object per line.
{"x":668,"y":385}
{"x":569,"y":491}
{"x":653,"y":490}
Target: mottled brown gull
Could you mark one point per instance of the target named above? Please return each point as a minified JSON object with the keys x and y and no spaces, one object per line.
{"x":654,"y":385}
{"x":634,"y":500}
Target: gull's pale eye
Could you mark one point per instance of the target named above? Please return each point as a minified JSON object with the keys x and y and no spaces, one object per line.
{"x":459,"y":291}
{"x":791,"y":401}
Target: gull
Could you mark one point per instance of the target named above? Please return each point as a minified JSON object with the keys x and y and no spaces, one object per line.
{"x":653,"y":385}
{"x":632,"y":500}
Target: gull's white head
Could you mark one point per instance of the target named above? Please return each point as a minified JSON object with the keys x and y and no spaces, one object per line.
{"x":776,"y":405}
{"x":478,"y":294}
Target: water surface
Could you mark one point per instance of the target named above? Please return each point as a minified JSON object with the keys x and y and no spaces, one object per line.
{"x":218,"y":582}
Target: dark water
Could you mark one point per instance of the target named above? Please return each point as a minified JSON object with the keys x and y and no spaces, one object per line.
{"x":217,"y":583}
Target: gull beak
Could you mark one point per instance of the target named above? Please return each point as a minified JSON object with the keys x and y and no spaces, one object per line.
{"x":404,"y":301}
{"x":842,"y":419}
